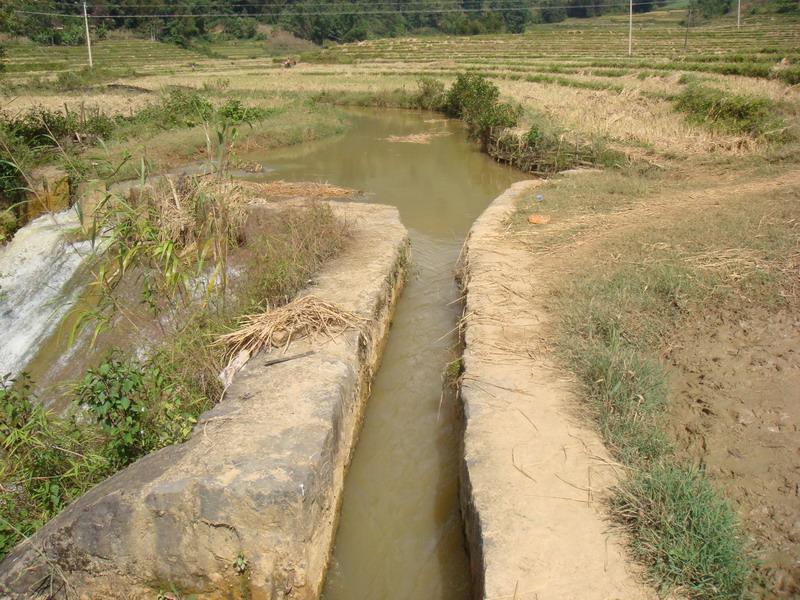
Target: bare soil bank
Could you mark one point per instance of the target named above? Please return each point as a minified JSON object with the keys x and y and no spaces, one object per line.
{"x":247,"y":507}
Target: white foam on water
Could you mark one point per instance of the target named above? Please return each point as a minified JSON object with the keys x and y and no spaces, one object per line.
{"x":36,"y":269}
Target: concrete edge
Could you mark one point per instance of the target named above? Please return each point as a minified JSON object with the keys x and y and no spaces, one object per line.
{"x":535,"y":528}
{"x":490,"y":219}
{"x":262,"y":475}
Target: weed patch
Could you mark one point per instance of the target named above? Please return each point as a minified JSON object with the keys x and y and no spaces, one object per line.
{"x":684,"y":531}
{"x":731,"y":113}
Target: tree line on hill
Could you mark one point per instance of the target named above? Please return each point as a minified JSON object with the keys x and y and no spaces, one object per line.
{"x":186,"y":21}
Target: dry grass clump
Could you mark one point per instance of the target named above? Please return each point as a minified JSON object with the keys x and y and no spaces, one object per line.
{"x":277,"y":327}
{"x":190,"y":210}
{"x":301,"y":189}
{"x":110,"y":103}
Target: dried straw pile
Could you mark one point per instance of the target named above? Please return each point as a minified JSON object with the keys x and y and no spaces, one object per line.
{"x":300,"y":189}
{"x":277,"y":327}
{"x":190,"y":210}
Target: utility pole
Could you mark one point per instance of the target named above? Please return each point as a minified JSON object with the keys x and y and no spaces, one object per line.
{"x":739,"y":15}
{"x":630,"y":30}
{"x":688,"y":21}
{"x":88,"y":39}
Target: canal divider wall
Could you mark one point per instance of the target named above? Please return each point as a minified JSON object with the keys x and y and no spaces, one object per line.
{"x":533,"y":474}
{"x":248,"y":506}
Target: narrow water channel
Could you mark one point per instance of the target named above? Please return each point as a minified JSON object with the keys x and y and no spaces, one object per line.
{"x":400,"y":533}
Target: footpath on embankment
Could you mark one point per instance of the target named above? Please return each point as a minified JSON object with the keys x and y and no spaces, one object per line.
{"x":534,"y":473}
{"x":248,"y":506}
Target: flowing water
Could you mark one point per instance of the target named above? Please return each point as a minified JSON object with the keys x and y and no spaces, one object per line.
{"x":38,"y":273}
{"x":400,"y":533}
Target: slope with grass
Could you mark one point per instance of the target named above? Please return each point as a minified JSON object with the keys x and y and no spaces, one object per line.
{"x":633,"y":273}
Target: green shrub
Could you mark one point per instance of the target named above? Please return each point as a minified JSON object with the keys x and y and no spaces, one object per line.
{"x":45,"y":462}
{"x":8,"y":224}
{"x":14,"y":157}
{"x":469,"y":93}
{"x":474,"y":99}
{"x":177,"y":108}
{"x":729,"y":112}
{"x":136,"y":405}
{"x":789,"y":75}
{"x":42,"y":127}
{"x":235,"y":113}
{"x":122,"y":410}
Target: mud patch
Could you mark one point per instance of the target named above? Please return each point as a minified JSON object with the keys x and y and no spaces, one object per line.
{"x":734,"y":387}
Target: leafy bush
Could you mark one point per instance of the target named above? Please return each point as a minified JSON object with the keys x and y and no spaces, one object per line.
{"x":137,"y":406}
{"x":45,"y":462}
{"x":234,"y":112}
{"x":469,"y":93}
{"x":123,"y":409}
{"x":731,"y":113}
{"x":188,"y":108}
{"x":8,"y":224}
{"x":42,"y":127}
{"x":713,"y":8}
{"x":178,"y":108}
{"x":475,"y":100}
{"x":14,"y":156}
{"x":241,"y":28}
{"x":789,"y":75}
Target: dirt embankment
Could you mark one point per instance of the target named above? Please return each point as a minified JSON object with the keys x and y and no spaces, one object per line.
{"x":732,"y":365}
{"x":534,"y":475}
{"x":247,"y":507}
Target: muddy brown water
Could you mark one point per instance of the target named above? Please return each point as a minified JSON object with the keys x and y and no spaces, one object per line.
{"x":400,"y":533}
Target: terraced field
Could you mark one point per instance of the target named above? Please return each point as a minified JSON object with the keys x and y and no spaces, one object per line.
{"x":598,"y":48}
{"x":122,"y":55}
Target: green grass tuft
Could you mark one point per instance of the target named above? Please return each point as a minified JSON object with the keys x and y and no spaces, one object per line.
{"x":685,"y":532}
{"x":613,"y":322}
